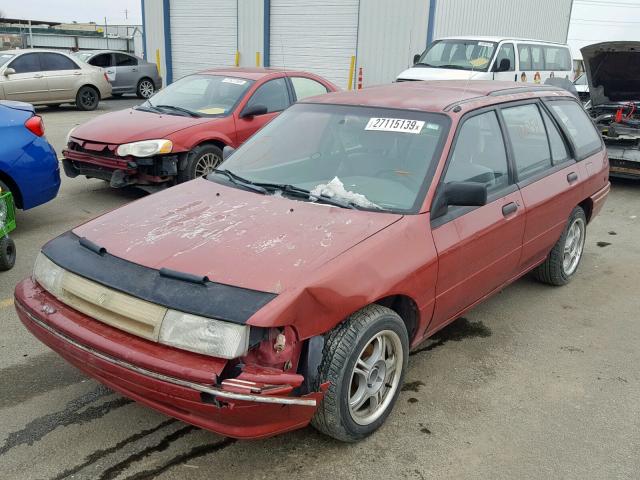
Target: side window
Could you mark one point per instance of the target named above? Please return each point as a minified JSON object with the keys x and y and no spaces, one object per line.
{"x":557,"y":58}
{"x":559,"y":152}
{"x":528,"y":139}
{"x":55,"y":61}
{"x":103,"y":60}
{"x":27,"y":63}
{"x":505,"y":59}
{"x":525,"y":57}
{"x":305,"y":87}
{"x":537,"y":58}
{"x":578,"y":126}
{"x":123,"y":60}
{"x":272,"y":95}
{"x":479,"y":154}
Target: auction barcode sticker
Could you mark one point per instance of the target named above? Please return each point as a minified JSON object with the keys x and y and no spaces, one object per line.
{"x":395,"y":125}
{"x":235,"y":81}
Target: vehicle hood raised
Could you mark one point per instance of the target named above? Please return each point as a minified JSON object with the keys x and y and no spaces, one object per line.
{"x":132,"y":125}
{"x":613,"y":71}
{"x":260,"y":242}
{"x":434,"y":73}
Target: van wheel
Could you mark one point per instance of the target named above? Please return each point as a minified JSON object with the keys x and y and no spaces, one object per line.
{"x":7,"y":253}
{"x":562,"y":263}
{"x":145,"y":88}
{"x":87,"y":98}
{"x":364,"y":360}
{"x":200,"y":162}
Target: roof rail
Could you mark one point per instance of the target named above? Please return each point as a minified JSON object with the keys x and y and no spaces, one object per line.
{"x":537,"y":88}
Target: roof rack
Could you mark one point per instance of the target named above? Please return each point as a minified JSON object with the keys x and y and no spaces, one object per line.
{"x":537,"y":88}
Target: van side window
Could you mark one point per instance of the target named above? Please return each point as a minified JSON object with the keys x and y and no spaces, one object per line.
{"x":578,"y":126}
{"x":505,"y":59}
{"x":528,"y":139}
{"x":479,"y":154}
{"x":557,"y":58}
{"x":525,"y":57}
{"x":537,"y":57}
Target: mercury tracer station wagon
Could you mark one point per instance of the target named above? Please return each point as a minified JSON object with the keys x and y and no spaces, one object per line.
{"x":288,"y":286}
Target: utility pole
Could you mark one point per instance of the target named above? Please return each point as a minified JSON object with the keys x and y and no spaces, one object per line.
{"x":30,"y":35}
{"x":105,"y":32}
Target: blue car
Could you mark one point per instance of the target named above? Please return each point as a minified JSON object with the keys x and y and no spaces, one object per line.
{"x":28,"y":163}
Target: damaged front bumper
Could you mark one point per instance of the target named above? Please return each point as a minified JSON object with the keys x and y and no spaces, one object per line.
{"x":182,"y":384}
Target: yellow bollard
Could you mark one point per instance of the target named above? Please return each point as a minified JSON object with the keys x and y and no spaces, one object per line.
{"x":257,"y":59}
{"x":158,"y":61}
{"x":237,"y":59}
{"x":352,"y":69}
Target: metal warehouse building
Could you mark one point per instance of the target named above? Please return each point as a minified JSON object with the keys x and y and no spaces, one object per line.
{"x":322,"y":36}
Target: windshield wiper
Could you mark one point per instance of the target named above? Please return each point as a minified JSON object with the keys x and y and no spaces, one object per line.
{"x":425,"y":64}
{"x":243,"y":182}
{"x":148,"y":107}
{"x":454,"y":67}
{"x":178,"y":109}
{"x":303,"y":192}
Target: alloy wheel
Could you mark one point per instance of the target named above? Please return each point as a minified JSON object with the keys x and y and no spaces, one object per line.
{"x":88,"y":98}
{"x":206,"y":164}
{"x":146,"y":89}
{"x":573,"y":246}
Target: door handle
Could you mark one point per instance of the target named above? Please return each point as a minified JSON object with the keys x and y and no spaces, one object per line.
{"x":572,"y":177}
{"x":515,"y":77}
{"x":38,"y":75}
{"x":77,"y":73}
{"x":509,"y":208}
{"x":134,"y":70}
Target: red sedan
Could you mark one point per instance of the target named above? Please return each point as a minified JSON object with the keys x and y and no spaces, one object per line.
{"x":180,"y":132}
{"x":289,"y":285}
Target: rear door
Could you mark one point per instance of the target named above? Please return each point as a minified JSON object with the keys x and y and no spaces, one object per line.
{"x":126,"y":67}
{"x":273,"y":94}
{"x":106,"y":62}
{"x":62,"y":76}
{"x":478,"y":247}
{"x":550,"y":179}
{"x":28,"y":84}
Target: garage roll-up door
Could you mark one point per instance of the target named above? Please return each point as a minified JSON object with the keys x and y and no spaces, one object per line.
{"x":203,"y":35}
{"x":319,"y":36}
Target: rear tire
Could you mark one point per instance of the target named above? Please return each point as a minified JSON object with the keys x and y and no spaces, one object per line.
{"x":364,"y":360}
{"x":145,"y":88}
{"x":200,"y":162}
{"x":87,"y":98}
{"x":563,"y":260}
{"x":7,"y":253}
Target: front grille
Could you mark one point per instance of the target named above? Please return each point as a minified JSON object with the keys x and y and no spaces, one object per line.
{"x":114,"y":308}
{"x":93,"y":148}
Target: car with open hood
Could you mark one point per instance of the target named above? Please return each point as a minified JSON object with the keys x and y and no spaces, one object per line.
{"x":613,"y":72}
{"x":180,"y":132}
{"x":288,"y":286}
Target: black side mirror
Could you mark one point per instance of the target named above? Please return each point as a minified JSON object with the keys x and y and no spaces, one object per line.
{"x":253,"y":111}
{"x":416,"y":58}
{"x":227,"y":151}
{"x":467,"y":194}
{"x":503,"y":66}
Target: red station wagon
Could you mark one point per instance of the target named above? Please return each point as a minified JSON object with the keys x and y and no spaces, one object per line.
{"x":180,"y":132}
{"x":288,"y":286}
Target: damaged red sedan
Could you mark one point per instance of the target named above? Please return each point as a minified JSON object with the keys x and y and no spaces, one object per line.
{"x":288,"y":286}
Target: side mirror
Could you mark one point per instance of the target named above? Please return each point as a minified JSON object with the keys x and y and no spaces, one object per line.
{"x":227,"y":151}
{"x":503,"y":66}
{"x":464,"y":194}
{"x":416,"y":58}
{"x":9,"y":71}
{"x":253,"y":111}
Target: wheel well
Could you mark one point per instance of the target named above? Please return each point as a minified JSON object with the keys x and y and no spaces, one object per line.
{"x":147,"y":78}
{"x":93,"y":87}
{"x":13,"y":187}
{"x":587,"y":206}
{"x":406,"y":308}
{"x":217,"y":143}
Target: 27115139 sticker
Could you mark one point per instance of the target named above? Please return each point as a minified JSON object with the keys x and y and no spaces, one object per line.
{"x":394,"y":125}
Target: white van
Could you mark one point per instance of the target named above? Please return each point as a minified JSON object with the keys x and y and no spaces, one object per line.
{"x":491,"y":58}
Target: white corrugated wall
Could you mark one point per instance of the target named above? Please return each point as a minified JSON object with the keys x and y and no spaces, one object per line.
{"x":250,"y":31}
{"x":154,"y":34}
{"x":537,"y":19}
{"x":390,"y":34}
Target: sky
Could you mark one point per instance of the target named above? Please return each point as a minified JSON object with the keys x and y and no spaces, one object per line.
{"x":594,"y":21}
{"x":78,"y":10}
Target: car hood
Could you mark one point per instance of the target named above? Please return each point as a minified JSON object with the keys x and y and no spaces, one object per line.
{"x":613,"y":71}
{"x":131,"y":125}
{"x":266,"y":243}
{"x":430,"y":73}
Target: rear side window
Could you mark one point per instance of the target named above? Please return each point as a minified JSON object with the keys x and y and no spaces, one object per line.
{"x":537,"y":57}
{"x":528,"y":139}
{"x":525,"y":57}
{"x":27,"y":63}
{"x":125,"y":60}
{"x":578,"y":126}
{"x":305,"y":87}
{"x":273,"y":95}
{"x":103,"y":60}
{"x":557,"y":58}
{"x":55,"y":61}
{"x":479,"y":154}
{"x":559,"y":152}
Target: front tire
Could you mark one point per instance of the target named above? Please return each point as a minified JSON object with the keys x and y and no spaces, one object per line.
{"x":87,"y":98}
{"x":145,"y":88}
{"x":562,"y":263}
{"x":200,"y":162}
{"x":7,"y":253}
{"x":364,"y":359}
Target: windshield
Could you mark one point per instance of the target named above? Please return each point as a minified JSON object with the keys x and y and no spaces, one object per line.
{"x":374,"y":158}
{"x":204,"y":95}
{"x":459,"y":54}
{"x":5,"y":57}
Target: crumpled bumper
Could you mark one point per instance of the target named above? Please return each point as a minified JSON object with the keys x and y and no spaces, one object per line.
{"x":176,"y":386}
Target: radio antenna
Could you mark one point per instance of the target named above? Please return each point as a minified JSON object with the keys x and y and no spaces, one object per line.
{"x":466,"y":85}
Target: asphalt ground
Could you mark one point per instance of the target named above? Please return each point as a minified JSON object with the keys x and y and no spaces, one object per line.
{"x":535,"y":383}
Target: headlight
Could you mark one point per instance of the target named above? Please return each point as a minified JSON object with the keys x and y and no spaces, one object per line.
{"x":204,"y":335}
{"x":69,"y":135}
{"x":146,"y":148}
{"x":48,"y":275}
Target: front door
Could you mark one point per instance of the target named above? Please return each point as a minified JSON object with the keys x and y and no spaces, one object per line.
{"x":478,"y":247}
{"x":274,"y":95}
{"x":62,"y":76}
{"x":28,"y":83}
{"x":504,"y":66}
